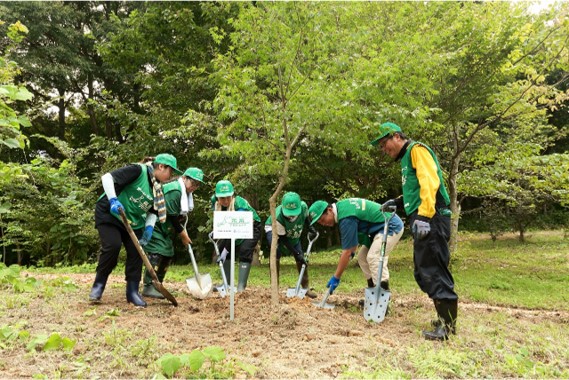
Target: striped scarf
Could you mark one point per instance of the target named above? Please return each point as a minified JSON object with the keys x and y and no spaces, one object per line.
{"x":159,"y":202}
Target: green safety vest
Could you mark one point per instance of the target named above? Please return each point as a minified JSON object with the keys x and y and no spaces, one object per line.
{"x":293,"y":229}
{"x":411,"y":188}
{"x":162,"y":241}
{"x":137,"y":198}
{"x":362,"y":209}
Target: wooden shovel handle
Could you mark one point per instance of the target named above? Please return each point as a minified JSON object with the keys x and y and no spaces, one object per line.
{"x":157,"y":284}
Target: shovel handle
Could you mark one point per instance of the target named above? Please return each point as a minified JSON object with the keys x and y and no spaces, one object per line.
{"x":157,"y":284}
{"x":310,"y":242}
{"x":195,"y":265}
{"x":325,"y":298}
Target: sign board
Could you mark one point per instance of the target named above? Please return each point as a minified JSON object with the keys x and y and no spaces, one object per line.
{"x":232,"y":225}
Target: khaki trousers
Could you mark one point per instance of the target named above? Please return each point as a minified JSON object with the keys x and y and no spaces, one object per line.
{"x":369,"y":258}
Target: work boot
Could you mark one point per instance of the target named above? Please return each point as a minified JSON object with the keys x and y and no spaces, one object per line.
{"x":447,"y":312}
{"x":148,"y":289}
{"x":384,"y":285}
{"x":132,"y":294}
{"x":244,"y":269}
{"x":98,"y":288}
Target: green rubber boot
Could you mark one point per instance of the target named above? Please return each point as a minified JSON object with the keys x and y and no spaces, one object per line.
{"x":244,"y":269}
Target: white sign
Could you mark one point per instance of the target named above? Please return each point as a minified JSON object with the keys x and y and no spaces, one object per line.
{"x":232,"y":225}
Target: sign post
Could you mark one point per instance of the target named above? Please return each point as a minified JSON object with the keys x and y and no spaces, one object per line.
{"x":232,"y":225}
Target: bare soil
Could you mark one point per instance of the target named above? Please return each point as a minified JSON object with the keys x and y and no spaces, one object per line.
{"x":294,"y":339}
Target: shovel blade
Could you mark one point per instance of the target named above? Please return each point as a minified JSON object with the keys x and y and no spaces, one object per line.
{"x":291,"y":293}
{"x":221,"y":291}
{"x":323,"y":305}
{"x":375,"y":308}
{"x":198,"y":291}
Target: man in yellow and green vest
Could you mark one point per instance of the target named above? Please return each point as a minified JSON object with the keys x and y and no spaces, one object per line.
{"x":426,"y":203}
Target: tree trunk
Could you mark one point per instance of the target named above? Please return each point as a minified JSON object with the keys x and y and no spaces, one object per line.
{"x":453,"y":195}
{"x":61,"y":115}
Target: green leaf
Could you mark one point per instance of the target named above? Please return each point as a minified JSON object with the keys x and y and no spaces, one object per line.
{"x":169,"y":364}
{"x":12,"y":143}
{"x":196,"y":360}
{"x":214,"y":353}
{"x":53,"y":342}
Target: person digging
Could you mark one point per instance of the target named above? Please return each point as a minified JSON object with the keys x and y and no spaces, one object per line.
{"x":358,"y":216}
{"x":225,"y":199}
{"x":179,"y":199}
{"x":292,"y":218}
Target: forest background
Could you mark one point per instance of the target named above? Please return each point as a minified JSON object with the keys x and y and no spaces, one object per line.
{"x":278,"y":97}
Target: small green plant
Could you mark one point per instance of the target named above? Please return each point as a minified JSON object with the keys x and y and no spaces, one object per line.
{"x":173,"y":365}
{"x":52,"y":342}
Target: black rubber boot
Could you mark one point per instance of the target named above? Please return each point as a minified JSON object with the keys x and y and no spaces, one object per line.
{"x":384,"y":285}
{"x":160,"y":264}
{"x":98,"y":288}
{"x":244,"y":269}
{"x":370,"y":283}
{"x":132,"y":294}
{"x":447,"y":311}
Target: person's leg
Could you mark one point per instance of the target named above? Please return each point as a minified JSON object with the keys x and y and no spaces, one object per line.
{"x":148,"y":289}
{"x":374,"y":257}
{"x":246,"y":250}
{"x":364,"y":266}
{"x":133,"y":270}
{"x":111,"y":243}
{"x":432,"y":256}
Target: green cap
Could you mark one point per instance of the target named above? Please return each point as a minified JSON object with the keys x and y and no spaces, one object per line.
{"x":316,"y":210}
{"x":386,"y":129}
{"x":167,"y":159}
{"x":194,"y":173}
{"x":223,"y":189}
{"x":291,"y":204}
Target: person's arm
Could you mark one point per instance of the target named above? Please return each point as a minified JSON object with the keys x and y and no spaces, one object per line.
{"x":345,"y":258}
{"x":428,"y":179}
{"x":180,"y":230}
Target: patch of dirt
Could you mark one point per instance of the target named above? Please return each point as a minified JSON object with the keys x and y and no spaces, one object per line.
{"x":294,"y":339}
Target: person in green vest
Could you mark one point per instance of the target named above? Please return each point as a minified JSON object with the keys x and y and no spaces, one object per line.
{"x":179,"y":199}
{"x":356,"y":217}
{"x":292,"y":218}
{"x":225,"y":199}
{"x":137,"y":190}
{"x":426,"y":203}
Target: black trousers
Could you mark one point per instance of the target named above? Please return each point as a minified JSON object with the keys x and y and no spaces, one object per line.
{"x":246,"y":249}
{"x":112,"y":238}
{"x":431,"y":257}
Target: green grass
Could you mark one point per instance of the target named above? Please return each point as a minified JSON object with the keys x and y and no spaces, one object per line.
{"x":506,"y":272}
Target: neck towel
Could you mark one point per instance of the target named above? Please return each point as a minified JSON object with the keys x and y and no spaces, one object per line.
{"x":186,"y":200}
{"x":159,"y":202}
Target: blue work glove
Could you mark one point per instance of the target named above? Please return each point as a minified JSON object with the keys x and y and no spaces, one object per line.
{"x":420,"y":229}
{"x":146,"y":236}
{"x":333,"y":284}
{"x":389,"y":206}
{"x":222,"y":256}
{"x":116,"y":206}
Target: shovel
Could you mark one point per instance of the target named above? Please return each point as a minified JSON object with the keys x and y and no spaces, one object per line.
{"x":200,"y":285}
{"x":157,"y":284}
{"x":298,"y":291}
{"x":377,"y":298}
{"x":223,"y":290}
{"x":322,"y":304}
